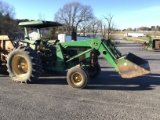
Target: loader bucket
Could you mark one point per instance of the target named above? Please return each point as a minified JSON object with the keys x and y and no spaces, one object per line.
{"x":131,"y":66}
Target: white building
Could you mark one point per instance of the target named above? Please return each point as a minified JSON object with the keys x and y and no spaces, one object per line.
{"x":134,"y":34}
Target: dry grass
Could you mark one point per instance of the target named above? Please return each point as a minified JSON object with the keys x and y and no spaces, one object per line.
{"x":154,"y":35}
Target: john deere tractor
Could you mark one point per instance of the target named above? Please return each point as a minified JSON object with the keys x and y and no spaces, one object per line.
{"x":152,"y":44}
{"x":79,"y":58}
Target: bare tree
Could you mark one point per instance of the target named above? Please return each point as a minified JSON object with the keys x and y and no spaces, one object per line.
{"x":95,"y":26}
{"x":110,"y":26}
{"x":103,"y":29}
{"x":6,"y":9}
{"x":143,"y":28}
{"x":72,"y":14}
{"x":108,"y":29}
{"x":7,"y":13}
{"x":83,"y":26}
{"x":129,"y":29}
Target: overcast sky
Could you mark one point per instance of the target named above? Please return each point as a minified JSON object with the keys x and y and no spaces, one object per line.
{"x":127,"y":13}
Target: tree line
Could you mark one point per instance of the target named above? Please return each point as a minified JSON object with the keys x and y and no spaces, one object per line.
{"x":74,"y":16}
{"x":143,"y":28}
{"x":80,"y":18}
{"x":8,"y":24}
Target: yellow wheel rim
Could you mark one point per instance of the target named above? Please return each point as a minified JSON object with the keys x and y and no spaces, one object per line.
{"x":76,"y":78}
{"x":19,"y":65}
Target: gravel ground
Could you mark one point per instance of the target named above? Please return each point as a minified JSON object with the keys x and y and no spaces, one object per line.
{"x":107,"y":97}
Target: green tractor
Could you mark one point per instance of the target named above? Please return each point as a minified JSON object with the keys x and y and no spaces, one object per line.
{"x":29,"y":60}
{"x":152,"y":44}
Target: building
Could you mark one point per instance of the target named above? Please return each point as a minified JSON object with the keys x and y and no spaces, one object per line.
{"x":134,"y":34}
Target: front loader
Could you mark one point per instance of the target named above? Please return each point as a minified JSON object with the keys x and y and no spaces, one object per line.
{"x":80,"y":58}
{"x":152,"y":44}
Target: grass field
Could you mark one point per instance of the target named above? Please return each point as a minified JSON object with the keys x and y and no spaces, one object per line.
{"x":153,"y":34}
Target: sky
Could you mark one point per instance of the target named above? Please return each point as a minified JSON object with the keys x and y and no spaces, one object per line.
{"x":127,"y":13}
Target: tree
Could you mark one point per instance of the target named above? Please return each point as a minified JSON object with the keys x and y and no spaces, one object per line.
{"x":7,"y":22}
{"x":95,"y":26}
{"x":157,"y":28}
{"x":52,"y":33}
{"x":72,"y":14}
{"x":153,"y":28}
{"x":143,"y":28}
{"x":5,"y":9}
{"x":83,"y":27}
{"x":103,"y":29}
{"x":107,"y":27}
{"x":129,"y":29}
{"x":110,"y":25}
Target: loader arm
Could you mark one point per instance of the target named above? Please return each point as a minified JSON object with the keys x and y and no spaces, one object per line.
{"x":128,"y":65}
{"x":105,"y":47}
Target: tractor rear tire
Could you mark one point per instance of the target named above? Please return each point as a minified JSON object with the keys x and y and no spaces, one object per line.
{"x":24,"y":65}
{"x":78,"y":77}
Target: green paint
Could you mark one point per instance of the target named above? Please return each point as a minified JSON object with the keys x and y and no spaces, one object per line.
{"x":63,"y":56}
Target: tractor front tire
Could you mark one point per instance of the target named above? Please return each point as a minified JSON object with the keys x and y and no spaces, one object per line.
{"x":77,"y":77}
{"x":24,"y":65}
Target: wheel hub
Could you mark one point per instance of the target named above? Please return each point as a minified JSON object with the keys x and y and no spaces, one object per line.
{"x":19,"y":65}
{"x":76,"y":78}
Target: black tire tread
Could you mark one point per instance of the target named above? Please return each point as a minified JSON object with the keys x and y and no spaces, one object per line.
{"x":36,"y":65}
{"x":85,"y":75}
